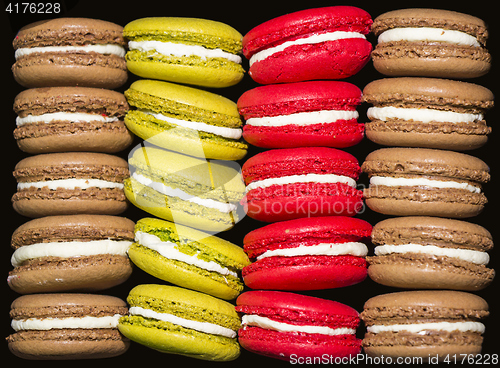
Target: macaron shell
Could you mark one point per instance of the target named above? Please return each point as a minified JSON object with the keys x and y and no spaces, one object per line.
{"x":305,"y":273}
{"x":329,"y":60}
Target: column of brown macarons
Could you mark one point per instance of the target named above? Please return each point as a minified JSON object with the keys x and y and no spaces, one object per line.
{"x":427,"y":111}
{"x":70,"y":184}
{"x":283,"y":121}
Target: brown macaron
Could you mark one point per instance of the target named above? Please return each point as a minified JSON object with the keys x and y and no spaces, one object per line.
{"x":430,"y":43}
{"x":70,"y":183}
{"x":425,"y":182}
{"x":427,"y":112}
{"x":69,"y":253}
{"x":67,"y":326}
{"x":430,"y":324}
{"x":66,"y":119}
{"x":430,"y":253}
{"x":70,"y":52}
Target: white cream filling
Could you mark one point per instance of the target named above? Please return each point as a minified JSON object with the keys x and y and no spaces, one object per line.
{"x":306,"y":178}
{"x":422,"y":115}
{"x":174,"y":192}
{"x":70,"y":249}
{"x":304,"y":118}
{"x":474,"y":256}
{"x":431,"y":326}
{"x":180,"y":50}
{"x":267,"y":323}
{"x":70,"y":184}
{"x":311,"y":39}
{"x":69,"y":322}
{"x":413,"y":182}
{"x":323,"y":249}
{"x":70,"y":117}
{"x":414,"y":34}
{"x":206,"y":327}
{"x":232,"y":133}
{"x":101,"y":49}
{"x":169,"y":250}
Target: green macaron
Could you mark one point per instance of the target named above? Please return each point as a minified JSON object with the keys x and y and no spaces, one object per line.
{"x":185,"y":190}
{"x":189,"y":258}
{"x":180,"y":321}
{"x":184,"y":50}
{"x":185,"y":119}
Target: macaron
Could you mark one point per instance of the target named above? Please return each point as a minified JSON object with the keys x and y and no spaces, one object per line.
{"x":296,"y":327}
{"x":70,"y":183}
{"x":188,"y":258}
{"x":431,"y":324}
{"x":313,"y":113}
{"x":70,"y":52}
{"x":180,"y":321}
{"x":186,"y":120}
{"x":427,"y":112}
{"x":289,"y":183}
{"x":430,"y":43}
{"x":307,"y":254}
{"x":418,"y":252}
{"x":425,"y":182}
{"x":311,"y":44}
{"x":62,"y":119}
{"x":67,"y":326}
{"x":184,"y":50}
{"x":185,"y":190}
{"x":68,"y":253}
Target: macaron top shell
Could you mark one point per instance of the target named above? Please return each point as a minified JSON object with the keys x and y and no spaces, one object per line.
{"x":437,"y":18}
{"x":298,"y":161}
{"x":38,"y":101}
{"x":305,"y":231}
{"x":456,"y":300}
{"x":432,"y":230}
{"x":225,"y":252}
{"x":420,"y":161}
{"x":185,"y":30}
{"x":298,"y":24}
{"x":67,"y":228}
{"x":290,"y":98}
{"x":297,"y":308}
{"x":66,"y":305}
{"x":69,"y":31}
{"x":184,"y":102}
{"x":186,"y":303}
{"x":441,"y":94}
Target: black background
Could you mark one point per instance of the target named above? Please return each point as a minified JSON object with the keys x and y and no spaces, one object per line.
{"x":243,"y":16}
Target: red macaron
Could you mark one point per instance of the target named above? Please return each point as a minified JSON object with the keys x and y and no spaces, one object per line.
{"x":296,"y":327}
{"x":319,"y":43}
{"x":307,"y":254}
{"x":312,"y":113}
{"x":289,"y":183}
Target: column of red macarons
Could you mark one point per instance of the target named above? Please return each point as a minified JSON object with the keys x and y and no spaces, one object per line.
{"x":425,"y":114}
{"x":302,"y":182}
{"x":70,"y":122}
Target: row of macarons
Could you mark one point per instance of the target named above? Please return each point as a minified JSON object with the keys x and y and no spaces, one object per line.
{"x":167,"y":318}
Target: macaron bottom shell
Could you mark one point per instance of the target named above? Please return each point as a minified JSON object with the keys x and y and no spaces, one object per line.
{"x":66,"y":344}
{"x":184,"y":275}
{"x":215,"y":73}
{"x":166,"y":337}
{"x":177,"y":211}
{"x":291,"y":346}
{"x":186,"y":141}
{"x":305,"y":273}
